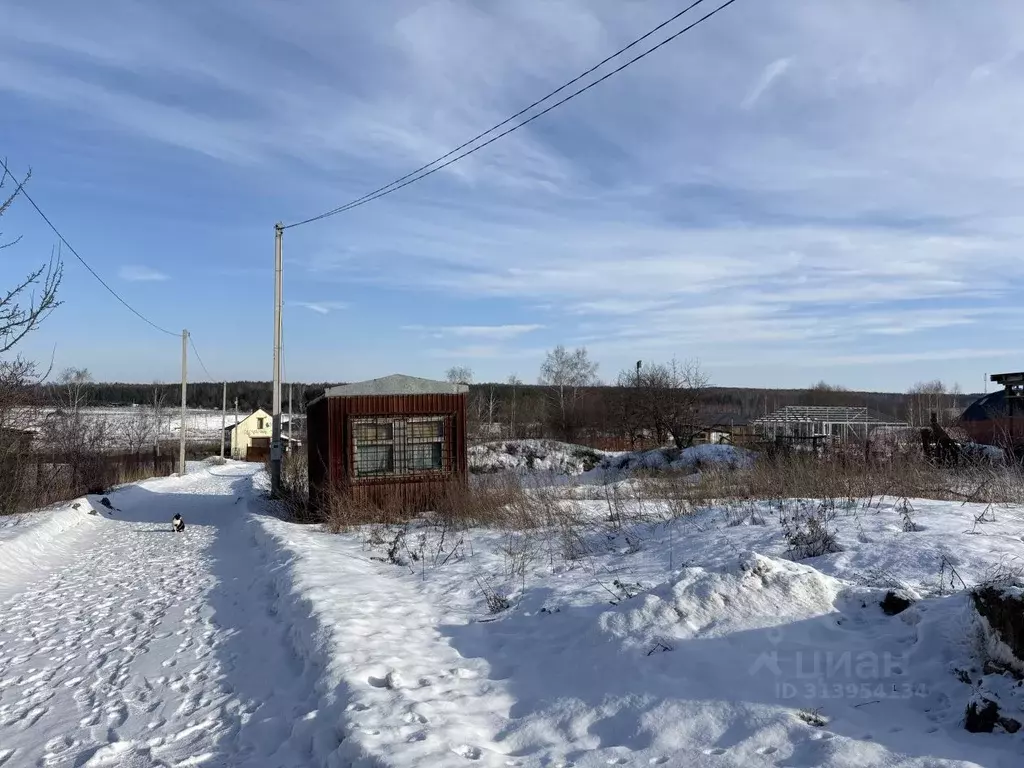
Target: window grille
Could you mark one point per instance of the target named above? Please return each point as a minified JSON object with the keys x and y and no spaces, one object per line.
{"x":402,"y":446}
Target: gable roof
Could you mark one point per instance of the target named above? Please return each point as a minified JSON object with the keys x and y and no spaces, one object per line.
{"x":397,"y":384}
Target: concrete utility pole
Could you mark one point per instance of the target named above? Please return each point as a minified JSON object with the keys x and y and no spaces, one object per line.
{"x":234,"y":432}
{"x":184,"y":402}
{"x":291,"y":415}
{"x":275,"y":440}
{"x":223,"y":418}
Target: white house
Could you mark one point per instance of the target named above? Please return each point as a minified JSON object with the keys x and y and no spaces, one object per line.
{"x":250,"y":438}
{"x":254,"y":431}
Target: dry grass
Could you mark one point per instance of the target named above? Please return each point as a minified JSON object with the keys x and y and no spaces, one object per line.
{"x":841,"y":480}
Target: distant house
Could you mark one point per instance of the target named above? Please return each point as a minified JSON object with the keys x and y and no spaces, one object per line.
{"x":397,"y":438}
{"x":998,"y":417}
{"x":249,"y":440}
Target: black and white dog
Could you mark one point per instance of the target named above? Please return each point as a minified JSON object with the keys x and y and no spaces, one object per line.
{"x":177,"y":524}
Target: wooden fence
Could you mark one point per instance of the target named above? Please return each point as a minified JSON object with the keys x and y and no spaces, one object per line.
{"x":34,"y":480}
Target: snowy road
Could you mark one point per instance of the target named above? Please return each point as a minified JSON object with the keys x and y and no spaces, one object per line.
{"x":146,"y":648}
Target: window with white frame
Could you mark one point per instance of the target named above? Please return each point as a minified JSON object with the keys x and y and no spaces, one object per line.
{"x":398,"y":446}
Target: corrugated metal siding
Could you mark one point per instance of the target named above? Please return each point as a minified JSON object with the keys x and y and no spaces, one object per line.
{"x":330,"y":444}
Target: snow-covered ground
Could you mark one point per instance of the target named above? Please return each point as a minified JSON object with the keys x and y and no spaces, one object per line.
{"x":140,"y":647}
{"x":694,"y":641}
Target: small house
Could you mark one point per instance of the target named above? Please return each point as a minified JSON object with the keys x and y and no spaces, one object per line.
{"x":394,"y":438}
{"x":998,"y":417}
{"x":250,"y":438}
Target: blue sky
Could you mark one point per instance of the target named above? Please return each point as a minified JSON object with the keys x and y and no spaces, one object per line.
{"x":794,"y":191}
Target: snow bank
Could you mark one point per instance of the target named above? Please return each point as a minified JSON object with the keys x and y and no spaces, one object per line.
{"x":399,"y":692}
{"x":693,"y":458}
{"x":567,"y":459}
{"x":756,"y":592}
{"x":534,"y":456}
{"x":32,"y":543}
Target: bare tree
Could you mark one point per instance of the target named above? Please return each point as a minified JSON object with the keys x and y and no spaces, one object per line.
{"x":26,"y":305}
{"x":72,"y":389}
{"x":669,"y":401}
{"x":159,"y":396}
{"x":565,"y":374}
{"x":515,"y":383}
{"x":138,"y":429}
{"x":22,"y":309}
{"x":927,"y":397}
{"x":459,"y":374}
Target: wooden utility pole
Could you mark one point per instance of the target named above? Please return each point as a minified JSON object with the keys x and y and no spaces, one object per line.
{"x":275,"y":440}
{"x":234,"y":432}
{"x":184,"y":402}
{"x":223,"y":418}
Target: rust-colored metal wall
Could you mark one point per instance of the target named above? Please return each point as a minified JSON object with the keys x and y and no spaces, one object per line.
{"x":331,"y":455}
{"x":1005,"y":432}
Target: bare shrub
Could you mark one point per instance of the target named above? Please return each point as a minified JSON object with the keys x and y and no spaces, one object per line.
{"x":810,"y":532}
{"x":497,"y":601}
{"x":341,"y":511}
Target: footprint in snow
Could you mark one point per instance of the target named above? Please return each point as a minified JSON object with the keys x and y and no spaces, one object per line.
{"x":468,"y":752}
{"x":715,"y":751}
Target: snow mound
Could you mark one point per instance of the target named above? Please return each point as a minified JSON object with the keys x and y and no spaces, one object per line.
{"x":568,"y":459}
{"x":533,"y":456}
{"x":695,"y":457}
{"x":757,"y":592}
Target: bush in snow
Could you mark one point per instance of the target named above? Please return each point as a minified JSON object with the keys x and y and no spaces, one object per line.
{"x":809,"y":531}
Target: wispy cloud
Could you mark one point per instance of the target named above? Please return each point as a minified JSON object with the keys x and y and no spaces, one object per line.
{"x":135,"y":273}
{"x":492,"y":332}
{"x":320,"y":307}
{"x":768,"y":77}
{"x":809,"y":178}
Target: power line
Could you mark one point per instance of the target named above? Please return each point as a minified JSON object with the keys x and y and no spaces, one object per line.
{"x":200,"y":359}
{"x":84,"y":263}
{"x":412,"y":177}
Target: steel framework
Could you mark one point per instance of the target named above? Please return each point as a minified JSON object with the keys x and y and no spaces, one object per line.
{"x":823,"y":421}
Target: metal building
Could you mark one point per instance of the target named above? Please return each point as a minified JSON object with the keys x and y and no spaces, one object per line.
{"x":398,"y":437}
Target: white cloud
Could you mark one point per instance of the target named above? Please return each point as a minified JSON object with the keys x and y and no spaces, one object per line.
{"x":768,"y":77}
{"x":320,"y":307}
{"x":135,"y":273}
{"x":781,"y":178}
{"x":493,"y":332}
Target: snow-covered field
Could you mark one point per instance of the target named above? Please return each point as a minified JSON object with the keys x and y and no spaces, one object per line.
{"x":693,"y":641}
{"x":201,"y":426}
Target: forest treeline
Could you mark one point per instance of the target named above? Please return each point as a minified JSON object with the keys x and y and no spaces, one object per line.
{"x":495,"y":402}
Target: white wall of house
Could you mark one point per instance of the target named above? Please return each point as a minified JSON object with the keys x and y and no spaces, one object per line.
{"x":256,"y":424}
